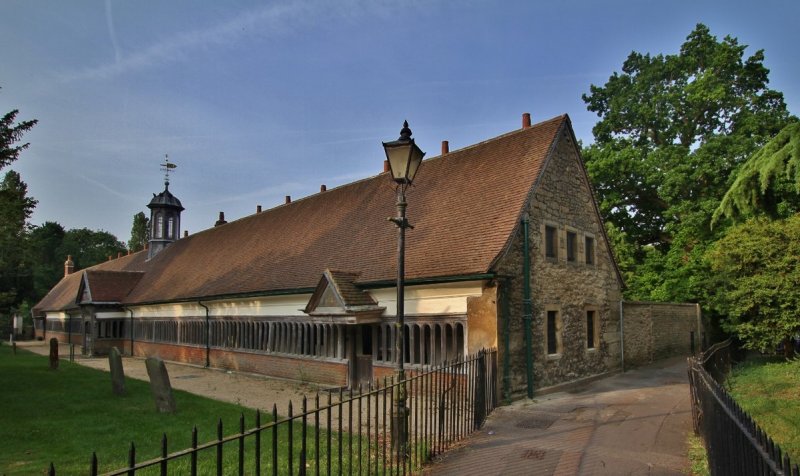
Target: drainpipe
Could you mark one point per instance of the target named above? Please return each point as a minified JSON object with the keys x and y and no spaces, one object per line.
{"x":505,"y":290}
{"x":621,"y":336}
{"x":527,"y":316}
{"x":208,"y":335}
{"x":130,"y":311}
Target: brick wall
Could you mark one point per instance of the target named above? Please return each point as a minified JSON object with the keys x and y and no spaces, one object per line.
{"x":326,"y":372}
{"x":64,"y":338}
{"x":656,"y":331}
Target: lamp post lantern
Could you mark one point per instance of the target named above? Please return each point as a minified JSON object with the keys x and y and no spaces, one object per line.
{"x":404,"y":158}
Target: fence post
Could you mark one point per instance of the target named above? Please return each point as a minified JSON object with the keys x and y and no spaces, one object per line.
{"x":480,"y":390}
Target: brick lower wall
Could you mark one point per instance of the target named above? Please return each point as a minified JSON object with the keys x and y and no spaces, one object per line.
{"x":63,"y":337}
{"x":656,"y":331}
{"x":324,"y":372}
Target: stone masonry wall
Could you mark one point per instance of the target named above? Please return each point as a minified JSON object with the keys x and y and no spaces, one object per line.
{"x":654,"y":331}
{"x":563,"y":200}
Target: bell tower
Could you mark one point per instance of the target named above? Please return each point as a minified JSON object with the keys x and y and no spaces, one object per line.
{"x":165,"y":215}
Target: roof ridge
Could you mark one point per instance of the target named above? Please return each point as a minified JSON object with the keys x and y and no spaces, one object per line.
{"x":560,"y":117}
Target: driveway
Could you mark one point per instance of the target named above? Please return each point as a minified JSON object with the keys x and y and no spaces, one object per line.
{"x":632,"y":423}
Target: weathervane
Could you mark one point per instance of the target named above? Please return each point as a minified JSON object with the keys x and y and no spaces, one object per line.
{"x":167,"y":167}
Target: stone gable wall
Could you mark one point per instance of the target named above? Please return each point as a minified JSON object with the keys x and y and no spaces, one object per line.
{"x":656,"y":331}
{"x":562,"y":199}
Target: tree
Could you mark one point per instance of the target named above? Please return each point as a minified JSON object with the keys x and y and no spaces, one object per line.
{"x":89,"y":247}
{"x":10,"y":134}
{"x":15,"y":209}
{"x":672,"y":131}
{"x":769,"y":182}
{"x":757,"y":275}
{"x":140,"y":232}
{"x":44,"y":245}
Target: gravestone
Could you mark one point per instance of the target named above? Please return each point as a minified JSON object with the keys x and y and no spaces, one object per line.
{"x":160,"y":386}
{"x":117,"y":373}
{"x":53,"y":353}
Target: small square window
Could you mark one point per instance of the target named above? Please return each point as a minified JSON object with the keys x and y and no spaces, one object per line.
{"x":551,"y":242}
{"x":572,"y":246}
{"x":589,"y":247}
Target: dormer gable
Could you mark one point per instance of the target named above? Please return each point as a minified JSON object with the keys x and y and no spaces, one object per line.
{"x":339,"y":298}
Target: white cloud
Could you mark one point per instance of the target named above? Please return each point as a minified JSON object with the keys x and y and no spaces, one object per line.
{"x":269,"y":20}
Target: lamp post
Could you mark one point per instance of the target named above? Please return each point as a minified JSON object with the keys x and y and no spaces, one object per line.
{"x":404,"y":158}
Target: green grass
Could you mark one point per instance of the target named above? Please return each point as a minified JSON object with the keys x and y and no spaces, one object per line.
{"x":698,"y":458}
{"x":62,"y":416}
{"x":769,"y":390}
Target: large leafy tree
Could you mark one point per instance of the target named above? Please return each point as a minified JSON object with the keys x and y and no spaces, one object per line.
{"x":90,"y":247}
{"x":140,"y":232}
{"x":672,"y":130}
{"x":44,"y":248}
{"x":757,"y":276}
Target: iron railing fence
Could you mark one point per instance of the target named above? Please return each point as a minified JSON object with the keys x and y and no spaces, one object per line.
{"x":345,"y":433}
{"x":735,"y":444}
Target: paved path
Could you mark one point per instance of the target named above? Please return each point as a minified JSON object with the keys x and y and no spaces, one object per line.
{"x":632,"y":423}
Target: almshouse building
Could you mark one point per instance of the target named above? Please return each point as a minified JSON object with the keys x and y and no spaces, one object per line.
{"x":508,"y":250}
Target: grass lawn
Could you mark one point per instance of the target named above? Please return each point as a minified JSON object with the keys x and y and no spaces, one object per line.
{"x":769,"y":390}
{"x":62,"y":416}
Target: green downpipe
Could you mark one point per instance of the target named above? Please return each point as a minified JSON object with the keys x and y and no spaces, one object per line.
{"x":527,"y":309}
{"x":208,"y":336}
{"x":505,"y":291}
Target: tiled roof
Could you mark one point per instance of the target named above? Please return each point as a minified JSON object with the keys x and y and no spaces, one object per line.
{"x":64,"y":295}
{"x":464,"y":206}
{"x":110,"y":286}
{"x":351,"y":295}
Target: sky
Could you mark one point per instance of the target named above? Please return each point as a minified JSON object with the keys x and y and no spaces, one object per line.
{"x":256,"y":100}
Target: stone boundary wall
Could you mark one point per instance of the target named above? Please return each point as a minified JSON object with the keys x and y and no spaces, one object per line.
{"x":656,"y":330}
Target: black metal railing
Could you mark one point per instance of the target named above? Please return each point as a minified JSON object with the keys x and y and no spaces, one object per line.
{"x":735,"y":444}
{"x":347,"y":433}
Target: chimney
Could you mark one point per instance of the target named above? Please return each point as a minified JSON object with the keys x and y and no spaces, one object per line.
{"x":130,"y":252}
{"x":322,"y":188}
{"x":119,"y":254}
{"x":109,"y":257}
{"x":526,"y":120}
{"x":445,"y":147}
{"x":185,"y":233}
{"x":69,"y":266}
{"x":385,"y":165}
{"x":221,"y":220}
{"x":288,"y":199}
{"x":258,"y":208}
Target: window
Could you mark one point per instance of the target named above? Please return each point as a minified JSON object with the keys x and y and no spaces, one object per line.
{"x":589,"y":247}
{"x":550,"y":242}
{"x":591,"y":330}
{"x":553,"y":333}
{"x":159,"y":226}
{"x":171,"y":228}
{"x":572,"y":246}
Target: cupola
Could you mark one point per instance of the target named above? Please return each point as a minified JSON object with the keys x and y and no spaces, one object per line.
{"x":165,"y":216}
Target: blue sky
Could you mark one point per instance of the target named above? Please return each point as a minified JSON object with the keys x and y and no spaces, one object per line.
{"x":258,"y":100}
